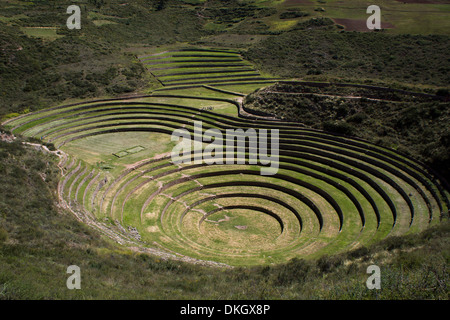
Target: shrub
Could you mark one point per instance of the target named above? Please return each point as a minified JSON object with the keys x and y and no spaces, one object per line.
{"x":50,"y":146}
{"x":442,"y":92}
{"x":329,"y":263}
{"x":295,"y":271}
{"x":358,"y":253}
{"x":117,"y":88}
{"x":357,"y":118}
{"x":3,"y":235}
{"x":410,"y":260}
{"x":396,"y":242}
{"x":293,"y":14}
{"x":314,"y":72}
{"x":342,"y":111}
{"x":338,"y":127}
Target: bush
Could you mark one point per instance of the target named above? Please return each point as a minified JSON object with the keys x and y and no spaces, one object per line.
{"x":117,"y":88}
{"x":396,"y":242}
{"x":294,"y":271}
{"x":342,"y":111}
{"x":50,"y":146}
{"x":410,"y":260}
{"x":442,"y":92}
{"x":357,"y":118}
{"x":358,"y":253}
{"x":293,"y":14}
{"x":3,"y":235}
{"x":315,"y":72}
{"x":338,"y":127}
{"x":328,"y":264}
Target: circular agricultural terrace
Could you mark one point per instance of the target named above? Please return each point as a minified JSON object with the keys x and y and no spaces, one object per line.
{"x":331,"y":193}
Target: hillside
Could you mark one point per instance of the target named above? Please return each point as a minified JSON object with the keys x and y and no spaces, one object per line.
{"x":316,"y":50}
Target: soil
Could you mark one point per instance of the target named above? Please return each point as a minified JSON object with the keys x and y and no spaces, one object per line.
{"x":6,"y":137}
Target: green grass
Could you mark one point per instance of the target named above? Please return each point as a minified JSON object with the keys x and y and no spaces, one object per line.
{"x":101,"y":148}
{"x":171,"y":68}
{"x":100,"y":23}
{"x":12,"y":18}
{"x":44,"y":33}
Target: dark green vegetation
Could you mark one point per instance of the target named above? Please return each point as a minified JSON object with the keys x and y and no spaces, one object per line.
{"x":414,"y":124}
{"x":38,"y":241}
{"x":36,"y":74}
{"x":40,"y":72}
{"x":317,"y":50}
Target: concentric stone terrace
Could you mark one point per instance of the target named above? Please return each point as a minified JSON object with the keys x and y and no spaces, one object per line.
{"x":331,"y":193}
{"x":193,"y":66}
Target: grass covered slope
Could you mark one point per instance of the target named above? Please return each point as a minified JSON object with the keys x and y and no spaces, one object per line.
{"x":42,"y":63}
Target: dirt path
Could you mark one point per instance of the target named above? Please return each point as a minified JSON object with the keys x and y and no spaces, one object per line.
{"x":251,"y":115}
